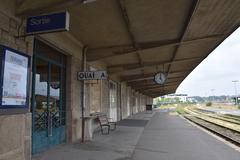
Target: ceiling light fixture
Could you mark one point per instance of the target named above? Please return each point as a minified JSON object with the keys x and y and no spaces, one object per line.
{"x":88,"y":1}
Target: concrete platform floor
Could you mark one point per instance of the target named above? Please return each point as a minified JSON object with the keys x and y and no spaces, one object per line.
{"x":158,"y":136}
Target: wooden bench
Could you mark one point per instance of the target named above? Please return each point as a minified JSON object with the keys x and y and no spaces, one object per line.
{"x":105,"y":123}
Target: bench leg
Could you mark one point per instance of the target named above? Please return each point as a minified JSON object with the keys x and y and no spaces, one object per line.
{"x":114,"y":126}
{"x":108,"y":128}
{"x":101,"y":129}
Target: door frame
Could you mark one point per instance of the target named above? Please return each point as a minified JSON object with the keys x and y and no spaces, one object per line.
{"x":62,"y":84}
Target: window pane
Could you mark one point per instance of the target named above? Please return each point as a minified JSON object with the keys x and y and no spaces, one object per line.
{"x":41,"y":95}
{"x":54,"y":99}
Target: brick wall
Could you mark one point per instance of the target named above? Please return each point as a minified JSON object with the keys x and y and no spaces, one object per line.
{"x":15,"y":130}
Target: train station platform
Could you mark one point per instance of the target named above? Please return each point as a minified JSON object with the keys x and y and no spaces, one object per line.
{"x":144,"y":136}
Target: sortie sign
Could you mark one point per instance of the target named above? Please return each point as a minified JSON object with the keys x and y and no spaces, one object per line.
{"x":48,"y":23}
{"x":92,"y":75}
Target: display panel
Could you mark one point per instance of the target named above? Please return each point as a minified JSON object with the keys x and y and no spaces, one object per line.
{"x":14,"y":79}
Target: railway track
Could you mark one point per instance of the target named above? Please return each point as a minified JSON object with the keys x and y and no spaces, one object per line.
{"x":217,"y":116}
{"x":230,"y":134}
{"x":226,"y":116}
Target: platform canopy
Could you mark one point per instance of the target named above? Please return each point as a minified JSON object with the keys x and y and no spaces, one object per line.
{"x":138,"y":38}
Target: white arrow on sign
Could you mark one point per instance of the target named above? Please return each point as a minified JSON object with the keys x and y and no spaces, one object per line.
{"x":92,"y":75}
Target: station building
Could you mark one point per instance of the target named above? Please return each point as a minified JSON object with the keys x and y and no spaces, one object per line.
{"x":131,"y":40}
{"x":22,"y":132}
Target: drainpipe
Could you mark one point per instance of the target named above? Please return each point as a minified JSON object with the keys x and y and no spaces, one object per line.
{"x":84,"y":51}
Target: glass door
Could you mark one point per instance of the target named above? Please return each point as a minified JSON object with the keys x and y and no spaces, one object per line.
{"x":48,"y":104}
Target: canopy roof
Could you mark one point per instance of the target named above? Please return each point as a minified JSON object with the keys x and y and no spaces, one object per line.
{"x":138,"y":38}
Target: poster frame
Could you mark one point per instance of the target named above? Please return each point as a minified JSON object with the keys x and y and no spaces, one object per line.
{"x":3,"y":50}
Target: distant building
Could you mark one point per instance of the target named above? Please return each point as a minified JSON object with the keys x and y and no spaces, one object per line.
{"x":179,"y":97}
{"x":195,"y":99}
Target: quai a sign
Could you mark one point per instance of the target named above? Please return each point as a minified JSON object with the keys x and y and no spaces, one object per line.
{"x":92,"y":75}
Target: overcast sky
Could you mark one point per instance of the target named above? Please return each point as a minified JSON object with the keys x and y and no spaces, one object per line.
{"x":215,"y":74}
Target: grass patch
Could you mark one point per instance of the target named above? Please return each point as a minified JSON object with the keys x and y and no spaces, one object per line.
{"x":180,"y":109}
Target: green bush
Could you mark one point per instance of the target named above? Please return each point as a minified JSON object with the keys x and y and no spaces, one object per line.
{"x":208,"y":104}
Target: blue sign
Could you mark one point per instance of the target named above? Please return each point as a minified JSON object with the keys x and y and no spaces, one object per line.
{"x":48,"y":23}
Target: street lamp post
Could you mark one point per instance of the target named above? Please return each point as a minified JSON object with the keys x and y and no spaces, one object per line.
{"x":235,"y":87}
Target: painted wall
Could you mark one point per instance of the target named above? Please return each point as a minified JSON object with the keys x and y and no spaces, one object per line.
{"x":125,"y":105}
{"x":74,"y":124}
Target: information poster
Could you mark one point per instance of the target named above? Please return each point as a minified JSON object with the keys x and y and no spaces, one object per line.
{"x":15,"y":79}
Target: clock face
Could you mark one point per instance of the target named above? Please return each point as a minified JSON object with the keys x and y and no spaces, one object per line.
{"x":160,"y":78}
